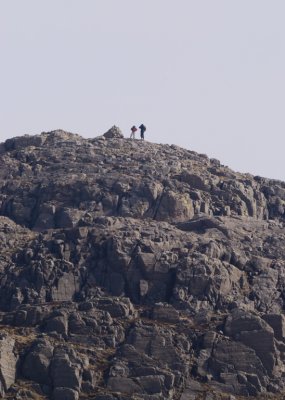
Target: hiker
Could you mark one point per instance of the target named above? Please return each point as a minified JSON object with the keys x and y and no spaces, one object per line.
{"x":133,"y":133}
{"x":143,"y":129}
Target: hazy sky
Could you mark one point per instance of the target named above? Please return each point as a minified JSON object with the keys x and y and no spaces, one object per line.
{"x":207,"y":75}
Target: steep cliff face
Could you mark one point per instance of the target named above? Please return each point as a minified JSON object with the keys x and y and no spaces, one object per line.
{"x":132,"y":270}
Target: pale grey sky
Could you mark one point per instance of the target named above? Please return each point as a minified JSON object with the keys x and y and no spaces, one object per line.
{"x":207,"y":75}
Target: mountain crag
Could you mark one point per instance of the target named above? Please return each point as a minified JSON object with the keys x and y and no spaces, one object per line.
{"x":134,"y":270}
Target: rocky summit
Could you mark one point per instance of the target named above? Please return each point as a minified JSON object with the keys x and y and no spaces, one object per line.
{"x":134,"y":270}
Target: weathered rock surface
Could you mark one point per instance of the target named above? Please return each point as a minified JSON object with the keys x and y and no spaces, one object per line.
{"x":132,"y":270}
{"x":7,"y":363}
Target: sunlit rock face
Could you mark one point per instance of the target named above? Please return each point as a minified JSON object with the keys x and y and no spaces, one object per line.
{"x":134,"y":270}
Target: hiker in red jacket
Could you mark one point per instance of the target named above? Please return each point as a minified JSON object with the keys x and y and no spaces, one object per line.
{"x":133,"y":132}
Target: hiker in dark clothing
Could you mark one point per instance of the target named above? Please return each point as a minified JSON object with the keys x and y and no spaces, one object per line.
{"x":143,"y":129}
{"x":133,"y":130}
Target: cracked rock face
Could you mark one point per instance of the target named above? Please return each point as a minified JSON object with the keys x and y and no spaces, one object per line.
{"x":132,"y":270}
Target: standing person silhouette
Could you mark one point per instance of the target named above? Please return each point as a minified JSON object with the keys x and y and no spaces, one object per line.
{"x":143,"y":129}
{"x":133,"y":133}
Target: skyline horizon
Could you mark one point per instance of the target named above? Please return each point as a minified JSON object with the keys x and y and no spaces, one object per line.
{"x":207,"y":76}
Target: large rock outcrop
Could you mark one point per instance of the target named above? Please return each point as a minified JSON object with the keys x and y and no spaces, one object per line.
{"x":132,"y":270}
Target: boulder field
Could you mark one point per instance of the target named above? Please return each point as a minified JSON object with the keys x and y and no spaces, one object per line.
{"x":134,"y":270}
